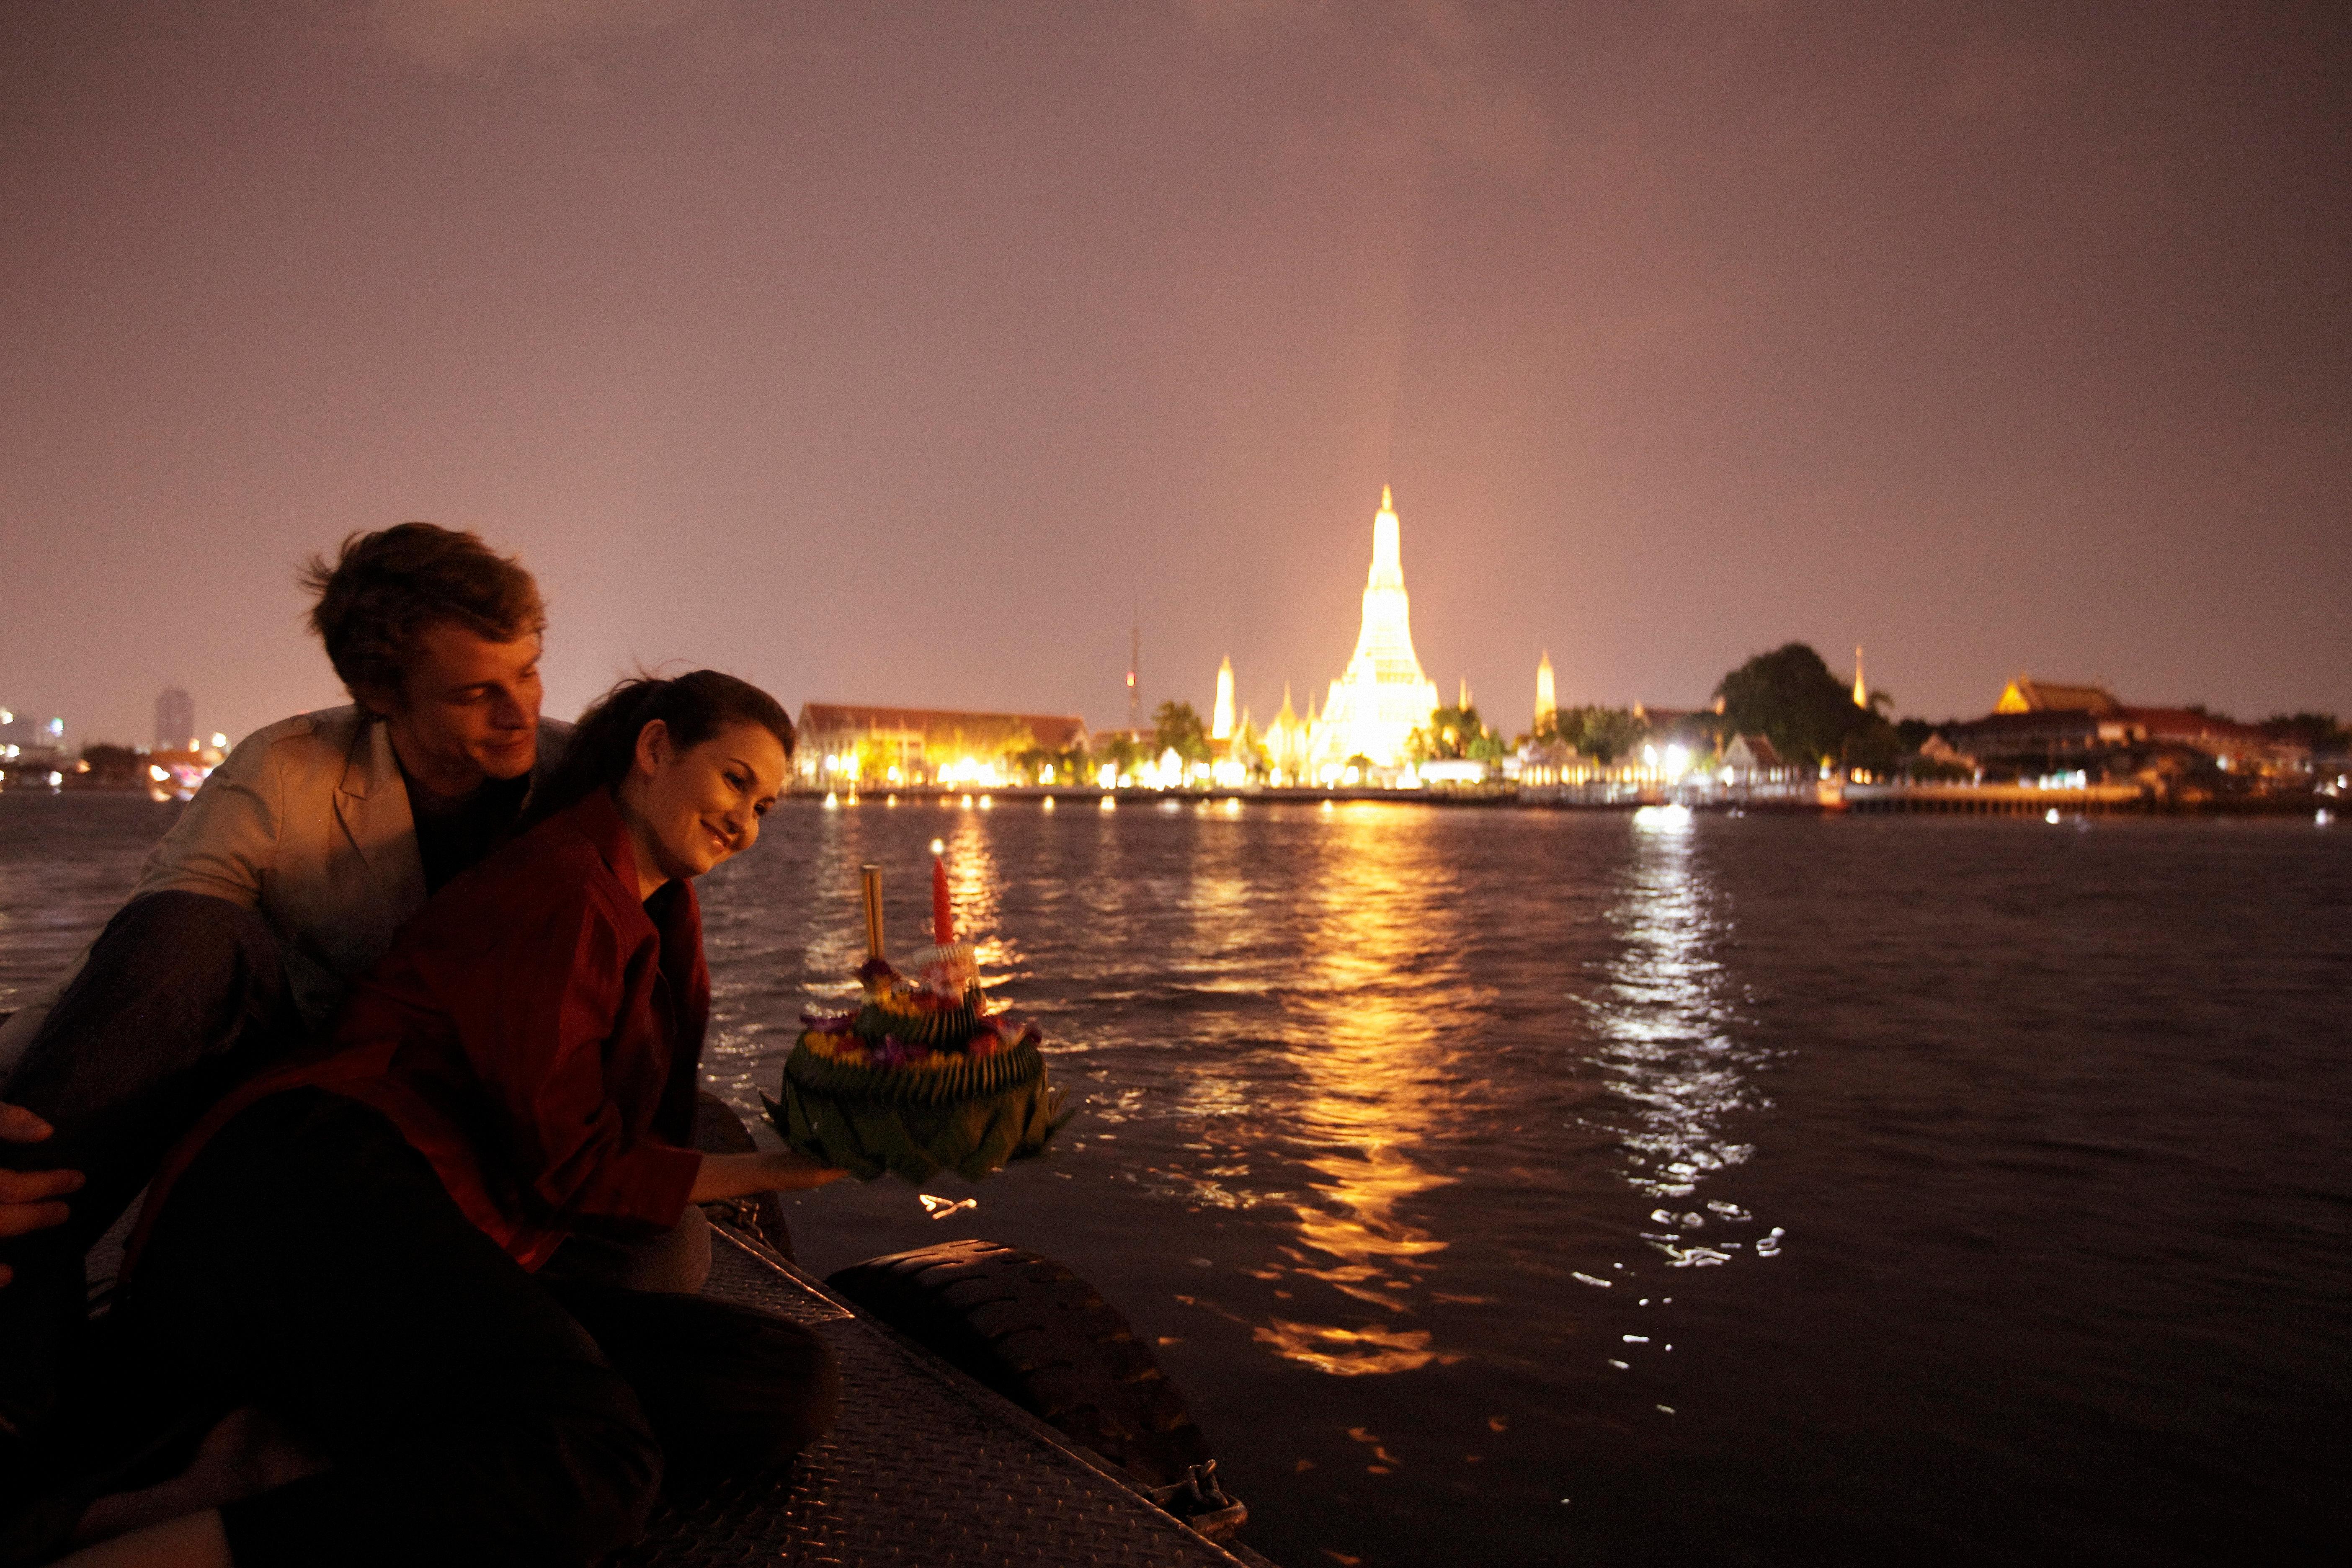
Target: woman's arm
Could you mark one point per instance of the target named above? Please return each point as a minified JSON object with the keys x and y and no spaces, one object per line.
{"x":768,"y":1171}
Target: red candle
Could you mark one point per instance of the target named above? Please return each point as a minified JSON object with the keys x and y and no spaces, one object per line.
{"x":943,"y":915}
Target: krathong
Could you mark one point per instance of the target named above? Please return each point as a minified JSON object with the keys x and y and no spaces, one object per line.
{"x":922,"y":1077}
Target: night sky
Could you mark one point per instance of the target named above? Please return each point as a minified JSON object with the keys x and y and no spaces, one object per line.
{"x":906,"y":353}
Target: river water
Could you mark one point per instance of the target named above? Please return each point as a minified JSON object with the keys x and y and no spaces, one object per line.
{"x":1519,"y":1187}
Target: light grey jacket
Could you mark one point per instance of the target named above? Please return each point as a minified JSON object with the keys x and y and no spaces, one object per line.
{"x":308,"y":822}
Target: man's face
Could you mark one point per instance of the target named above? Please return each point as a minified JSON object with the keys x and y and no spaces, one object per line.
{"x":469,"y":710}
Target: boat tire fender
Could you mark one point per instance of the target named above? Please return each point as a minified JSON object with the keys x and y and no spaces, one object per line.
{"x":1035,"y":1332}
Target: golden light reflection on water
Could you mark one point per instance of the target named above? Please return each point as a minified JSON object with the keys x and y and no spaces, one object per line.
{"x":1382,"y":966}
{"x":1350,"y":1352}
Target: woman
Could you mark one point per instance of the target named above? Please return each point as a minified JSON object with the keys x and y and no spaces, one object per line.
{"x":348,"y":1244}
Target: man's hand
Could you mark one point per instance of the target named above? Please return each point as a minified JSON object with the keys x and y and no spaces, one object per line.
{"x":28,"y":1198}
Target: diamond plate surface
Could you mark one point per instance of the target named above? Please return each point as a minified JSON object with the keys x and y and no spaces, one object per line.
{"x":920,"y":1472}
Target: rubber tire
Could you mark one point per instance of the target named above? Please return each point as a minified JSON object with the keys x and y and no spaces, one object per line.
{"x":1036,"y":1333}
{"x":719,"y":1130}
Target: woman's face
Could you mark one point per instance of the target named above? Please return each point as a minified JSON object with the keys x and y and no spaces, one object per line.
{"x":690,"y":809}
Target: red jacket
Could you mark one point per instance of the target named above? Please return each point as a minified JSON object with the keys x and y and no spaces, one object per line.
{"x":535,"y":1034}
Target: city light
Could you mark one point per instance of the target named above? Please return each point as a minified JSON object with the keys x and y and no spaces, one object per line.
{"x":969,"y":772}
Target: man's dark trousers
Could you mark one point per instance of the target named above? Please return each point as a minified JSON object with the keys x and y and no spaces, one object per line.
{"x":182,"y":996}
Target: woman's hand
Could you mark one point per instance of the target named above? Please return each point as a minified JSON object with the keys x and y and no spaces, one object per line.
{"x":768,"y":1171}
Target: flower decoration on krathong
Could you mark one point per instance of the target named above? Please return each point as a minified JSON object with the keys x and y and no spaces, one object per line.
{"x":922,"y":1077}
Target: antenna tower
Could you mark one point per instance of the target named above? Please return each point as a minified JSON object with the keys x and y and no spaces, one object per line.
{"x":1134,"y":663}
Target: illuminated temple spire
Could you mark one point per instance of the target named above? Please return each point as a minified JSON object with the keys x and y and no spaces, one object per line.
{"x":1384,"y":696}
{"x":1221,"y":724}
{"x":1547,"y":700}
{"x":1861,"y":693}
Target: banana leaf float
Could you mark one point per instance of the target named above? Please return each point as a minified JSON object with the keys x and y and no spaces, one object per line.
{"x":966,"y":1114}
{"x":922,"y":1078}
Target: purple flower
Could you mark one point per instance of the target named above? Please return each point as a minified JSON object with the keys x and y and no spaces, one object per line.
{"x":894,"y":1052}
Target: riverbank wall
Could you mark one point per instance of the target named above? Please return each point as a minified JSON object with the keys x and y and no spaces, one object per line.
{"x":1807,"y":797}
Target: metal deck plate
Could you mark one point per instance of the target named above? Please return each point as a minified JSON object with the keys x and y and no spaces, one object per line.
{"x":925,"y":1469}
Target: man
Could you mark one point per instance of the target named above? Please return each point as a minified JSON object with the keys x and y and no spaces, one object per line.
{"x":282,"y":884}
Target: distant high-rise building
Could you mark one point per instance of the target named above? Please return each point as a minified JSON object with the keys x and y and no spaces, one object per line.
{"x":1546,"y":704}
{"x":176,"y":720}
{"x":1221,"y":726}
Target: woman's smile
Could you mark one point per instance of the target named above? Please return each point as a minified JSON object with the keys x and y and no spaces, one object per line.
{"x":673,"y":796}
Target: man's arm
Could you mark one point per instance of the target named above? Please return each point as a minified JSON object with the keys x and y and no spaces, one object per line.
{"x":221,"y":845}
{"x":227,"y":840}
{"x":18,"y":1029}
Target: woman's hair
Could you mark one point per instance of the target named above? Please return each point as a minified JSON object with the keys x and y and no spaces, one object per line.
{"x":384,"y":588}
{"x":604,"y":745}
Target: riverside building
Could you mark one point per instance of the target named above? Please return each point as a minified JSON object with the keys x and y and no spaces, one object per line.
{"x":848,"y":746}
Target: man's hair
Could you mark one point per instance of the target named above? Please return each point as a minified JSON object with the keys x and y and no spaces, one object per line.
{"x":384,"y":588}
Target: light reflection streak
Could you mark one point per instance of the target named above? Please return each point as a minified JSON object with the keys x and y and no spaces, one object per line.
{"x":1381,"y":972}
{"x":1350,"y":1352}
{"x":1668,"y":1054}
{"x":837,"y":938}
